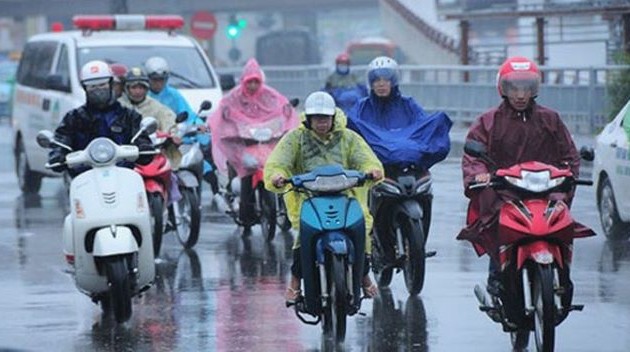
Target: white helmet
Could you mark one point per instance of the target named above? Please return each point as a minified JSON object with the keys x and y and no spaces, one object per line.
{"x":157,"y":67}
{"x":96,"y":72}
{"x":319,"y":103}
{"x":383,"y":67}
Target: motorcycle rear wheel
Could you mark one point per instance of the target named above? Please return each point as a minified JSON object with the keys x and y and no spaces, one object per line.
{"x":266,"y":210}
{"x":414,"y":267}
{"x":119,"y":288}
{"x":520,"y":340}
{"x":156,"y":205}
{"x":283,"y":218}
{"x":188,"y":220}
{"x":544,"y":307}
{"x":383,"y":276}
{"x":334,"y":322}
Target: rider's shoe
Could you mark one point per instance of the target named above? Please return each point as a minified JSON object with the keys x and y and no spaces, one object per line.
{"x":494,"y":286}
{"x":218,"y":201}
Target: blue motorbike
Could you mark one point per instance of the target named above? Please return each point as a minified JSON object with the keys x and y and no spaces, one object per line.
{"x":332,"y":237}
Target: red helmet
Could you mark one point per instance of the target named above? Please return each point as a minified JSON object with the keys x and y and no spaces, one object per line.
{"x":518,"y":71}
{"x":343,"y":58}
{"x":119,"y":71}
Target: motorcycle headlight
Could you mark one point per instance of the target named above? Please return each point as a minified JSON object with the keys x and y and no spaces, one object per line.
{"x":102,"y":151}
{"x":261,"y":134}
{"x":388,"y":188}
{"x":335,"y":183}
{"x":537,"y":182}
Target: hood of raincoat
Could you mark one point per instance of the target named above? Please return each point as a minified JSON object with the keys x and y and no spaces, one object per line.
{"x":251,"y":71}
{"x":240,"y":121}
{"x":400,"y":132}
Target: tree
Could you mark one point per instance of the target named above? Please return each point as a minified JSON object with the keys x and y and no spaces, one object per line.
{"x":619,"y":86}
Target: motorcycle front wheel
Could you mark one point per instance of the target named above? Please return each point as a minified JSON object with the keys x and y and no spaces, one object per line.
{"x":266,"y":210}
{"x":413,"y":242}
{"x":544,"y":307}
{"x":334,"y":322}
{"x":156,"y":205}
{"x":188,"y":218}
{"x":119,"y":288}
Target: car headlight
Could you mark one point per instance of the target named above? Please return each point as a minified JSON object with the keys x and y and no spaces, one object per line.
{"x":537,"y":182}
{"x":102,"y":151}
{"x":335,"y":183}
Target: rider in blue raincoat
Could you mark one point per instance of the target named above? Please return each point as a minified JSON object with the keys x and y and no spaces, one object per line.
{"x":158,"y":71}
{"x":397,"y":128}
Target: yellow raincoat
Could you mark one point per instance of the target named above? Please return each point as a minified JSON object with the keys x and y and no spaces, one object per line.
{"x":301,"y":150}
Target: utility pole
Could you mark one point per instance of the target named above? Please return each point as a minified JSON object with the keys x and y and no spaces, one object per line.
{"x":119,"y":6}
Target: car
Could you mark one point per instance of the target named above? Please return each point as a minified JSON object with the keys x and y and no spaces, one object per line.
{"x":47,"y":80}
{"x":7,"y":77}
{"x":611,"y":176}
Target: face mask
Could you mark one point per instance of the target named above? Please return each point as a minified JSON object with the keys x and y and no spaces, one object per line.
{"x":343,"y":69}
{"x":99,"y":97}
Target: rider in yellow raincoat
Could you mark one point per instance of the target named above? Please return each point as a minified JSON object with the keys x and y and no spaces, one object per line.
{"x":322,"y":139}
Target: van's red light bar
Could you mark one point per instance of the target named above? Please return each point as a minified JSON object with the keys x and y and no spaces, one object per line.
{"x":127,"y":22}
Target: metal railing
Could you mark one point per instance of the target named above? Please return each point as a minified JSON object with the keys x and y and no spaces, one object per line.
{"x":579,"y":94}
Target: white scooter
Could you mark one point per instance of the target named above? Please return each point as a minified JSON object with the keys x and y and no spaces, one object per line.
{"x":107,"y":235}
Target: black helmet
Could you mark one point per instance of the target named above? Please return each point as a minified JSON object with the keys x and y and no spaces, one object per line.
{"x":136,"y":75}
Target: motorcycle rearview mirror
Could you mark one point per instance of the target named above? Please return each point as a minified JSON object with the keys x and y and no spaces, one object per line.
{"x":474,"y":148}
{"x":587,"y":153}
{"x":46,"y":139}
{"x":205,"y":105}
{"x":294,"y":102}
{"x":478,"y":150}
{"x":181,"y":117}
{"x":148,"y":124}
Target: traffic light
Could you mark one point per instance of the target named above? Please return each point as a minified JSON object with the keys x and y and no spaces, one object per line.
{"x":235,"y":26}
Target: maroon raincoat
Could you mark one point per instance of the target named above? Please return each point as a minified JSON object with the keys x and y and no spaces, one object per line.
{"x":512,"y":137}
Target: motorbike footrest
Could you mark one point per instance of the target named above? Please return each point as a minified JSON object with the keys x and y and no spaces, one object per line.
{"x":576,"y":307}
{"x":430,"y":254}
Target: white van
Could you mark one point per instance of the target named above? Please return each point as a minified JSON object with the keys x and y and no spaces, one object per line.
{"x":47,"y":79}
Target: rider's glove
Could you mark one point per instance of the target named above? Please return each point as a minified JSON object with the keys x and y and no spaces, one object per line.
{"x":60,"y":161}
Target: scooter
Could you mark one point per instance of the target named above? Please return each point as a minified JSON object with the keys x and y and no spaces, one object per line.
{"x":332,"y":237}
{"x":107,"y":235}
{"x":157,"y":178}
{"x":401,"y":206}
{"x":535,"y":242}
{"x":186,"y":213}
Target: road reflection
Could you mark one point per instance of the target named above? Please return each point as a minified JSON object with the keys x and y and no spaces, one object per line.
{"x":398,"y":325}
{"x":614,"y":266}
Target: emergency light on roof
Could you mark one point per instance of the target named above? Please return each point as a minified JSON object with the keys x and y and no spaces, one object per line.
{"x":127,"y":22}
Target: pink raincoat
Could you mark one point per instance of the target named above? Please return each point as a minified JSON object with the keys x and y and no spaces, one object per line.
{"x":246,"y":127}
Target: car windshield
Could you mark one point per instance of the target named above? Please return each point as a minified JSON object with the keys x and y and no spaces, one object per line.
{"x":188,"y":69}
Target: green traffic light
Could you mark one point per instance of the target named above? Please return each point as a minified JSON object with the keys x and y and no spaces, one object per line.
{"x":233,"y":31}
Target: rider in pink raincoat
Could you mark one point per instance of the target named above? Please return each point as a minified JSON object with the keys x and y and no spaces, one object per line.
{"x":250,"y":120}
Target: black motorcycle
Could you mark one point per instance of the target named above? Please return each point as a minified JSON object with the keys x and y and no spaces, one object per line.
{"x":401,"y":207}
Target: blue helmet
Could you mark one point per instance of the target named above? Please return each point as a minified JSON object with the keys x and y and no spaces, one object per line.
{"x":383,"y":67}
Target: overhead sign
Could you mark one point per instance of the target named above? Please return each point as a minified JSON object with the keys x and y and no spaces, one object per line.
{"x":203,"y":25}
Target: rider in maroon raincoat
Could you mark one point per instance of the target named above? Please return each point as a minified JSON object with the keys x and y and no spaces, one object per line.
{"x":516,"y":131}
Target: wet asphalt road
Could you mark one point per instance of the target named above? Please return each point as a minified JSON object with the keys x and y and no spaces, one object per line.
{"x":227,"y":294}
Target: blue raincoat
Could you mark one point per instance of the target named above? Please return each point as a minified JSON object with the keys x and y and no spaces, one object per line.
{"x":400,"y":132}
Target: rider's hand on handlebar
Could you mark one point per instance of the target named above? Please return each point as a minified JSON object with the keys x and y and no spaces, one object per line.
{"x":376,"y":174}
{"x":278,"y":180}
{"x":482,"y":178}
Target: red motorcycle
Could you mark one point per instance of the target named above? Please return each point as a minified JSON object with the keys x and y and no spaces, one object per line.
{"x":535,"y":243}
{"x":157,"y":181}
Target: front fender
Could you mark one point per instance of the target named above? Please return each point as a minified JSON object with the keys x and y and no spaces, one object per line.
{"x":541,"y":252}
{"x":410,"y":208}
{"x":187,"y":179}
{"x":114,"y":240}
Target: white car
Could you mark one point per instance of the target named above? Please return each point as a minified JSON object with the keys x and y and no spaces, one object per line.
{"x":611,"y":176}
{"x":47,"y":80}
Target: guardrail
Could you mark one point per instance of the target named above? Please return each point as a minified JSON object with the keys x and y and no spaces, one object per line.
{"x":579,"y":94}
